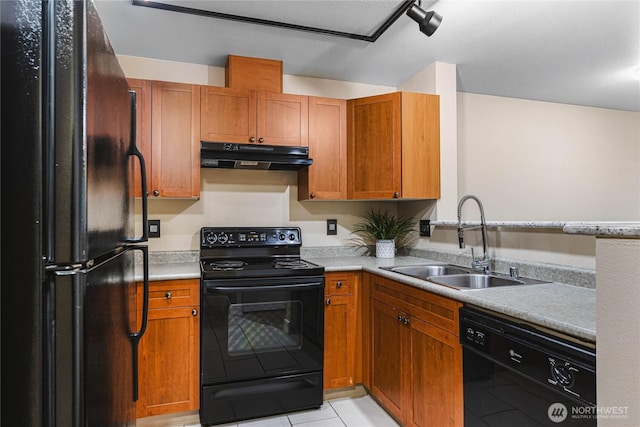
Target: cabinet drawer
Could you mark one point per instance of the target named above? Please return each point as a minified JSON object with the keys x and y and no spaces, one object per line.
{"x":431,"y":308}
{"x":340,"y":283}
{"x":172,"y":293}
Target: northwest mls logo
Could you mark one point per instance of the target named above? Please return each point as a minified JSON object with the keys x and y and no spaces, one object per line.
{"x":557,"y":412}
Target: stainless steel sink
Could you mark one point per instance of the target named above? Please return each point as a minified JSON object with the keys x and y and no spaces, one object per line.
{"x":460,"y":277}
{"x":425,"y":271}
{"x":474,"y":281}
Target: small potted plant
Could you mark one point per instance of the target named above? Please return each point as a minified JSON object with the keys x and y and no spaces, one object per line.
{"x":386,"y":230}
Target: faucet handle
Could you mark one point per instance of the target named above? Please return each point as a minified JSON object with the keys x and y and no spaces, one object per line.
{"x":513,"y":272}
{"x":482,"y":263}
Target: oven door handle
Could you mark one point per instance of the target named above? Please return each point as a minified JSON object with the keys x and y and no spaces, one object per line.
{"x":296,"y":286}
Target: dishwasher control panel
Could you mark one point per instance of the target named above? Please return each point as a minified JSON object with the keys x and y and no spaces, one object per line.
{"x":542,"y":357}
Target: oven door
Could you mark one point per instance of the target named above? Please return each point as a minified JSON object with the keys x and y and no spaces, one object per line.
{"x":261,"y":344}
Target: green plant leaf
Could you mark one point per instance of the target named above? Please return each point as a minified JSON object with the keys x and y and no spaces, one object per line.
{"x":382,"y":225}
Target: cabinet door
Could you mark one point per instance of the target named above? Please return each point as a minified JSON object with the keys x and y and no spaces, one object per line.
{"x":339,"y":341}
{"x":326,"y":178}
{"x":374,"y":147}
{"x":420,"y":146}
{"x":341,"y":329}
{"x":175,"y":140}
{"x":169,"y":351}
{"x":436,"y":377}
{"x":283,"y":119}
{"x":228,"y":115}
{"x":391,"y":359}
{"x":169,"y":359}
{"x":143,"y":129}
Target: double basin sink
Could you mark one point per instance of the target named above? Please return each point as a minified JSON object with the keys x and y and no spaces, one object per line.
{"x":460,"y":277}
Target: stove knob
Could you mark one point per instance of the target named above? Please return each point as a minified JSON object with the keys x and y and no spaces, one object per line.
{"x":292,"y":237}
{"x":223,"y":237}
{"x":282,"y":236}
{"x":211,"y":238}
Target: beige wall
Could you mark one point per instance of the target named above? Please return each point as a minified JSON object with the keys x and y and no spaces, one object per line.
{"x":531,"y":160}
{"x":526,"y":160}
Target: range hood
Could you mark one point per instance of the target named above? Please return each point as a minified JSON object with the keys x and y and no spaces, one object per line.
{"x":253,"y":156}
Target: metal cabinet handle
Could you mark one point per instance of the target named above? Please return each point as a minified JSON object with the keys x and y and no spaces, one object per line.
{"x":156,"y":193}
{"x":194,"y":312}
{"x":403,"y":320}
{"x":339,"y":284}
{"x":312,"y":195}
{"x":168,"y":295}
{"x":396,"y":195}
{"x":328,"y":301}
{"x":261,"y":140}
{"x":252,"y":139}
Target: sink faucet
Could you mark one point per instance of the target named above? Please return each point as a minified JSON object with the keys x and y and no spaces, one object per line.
{"x":483,"y":262}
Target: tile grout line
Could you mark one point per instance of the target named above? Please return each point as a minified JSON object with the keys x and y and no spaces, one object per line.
{"x":338,"y":414}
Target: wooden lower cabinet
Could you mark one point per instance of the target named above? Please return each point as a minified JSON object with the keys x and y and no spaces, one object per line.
{"x":340,"y":329}
{"x":416,"y":359}
{"x":169,"y":350}
{"x":436,"y":377}
{"x":391,"y":358}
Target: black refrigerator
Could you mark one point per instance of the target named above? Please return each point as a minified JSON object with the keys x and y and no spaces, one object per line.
{"x":70,"y":322}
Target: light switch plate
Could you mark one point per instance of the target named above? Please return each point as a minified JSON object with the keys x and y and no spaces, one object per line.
{"x":332,"y":227}
{"x":154,"y":228}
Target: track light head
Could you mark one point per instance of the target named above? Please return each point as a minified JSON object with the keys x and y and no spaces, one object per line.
{"x":428,"y":21}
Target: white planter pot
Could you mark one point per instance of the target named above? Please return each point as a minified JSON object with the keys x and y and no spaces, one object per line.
{"x":385,"y":248}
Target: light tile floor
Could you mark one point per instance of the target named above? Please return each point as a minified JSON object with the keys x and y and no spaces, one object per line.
{"x":343,"y":412}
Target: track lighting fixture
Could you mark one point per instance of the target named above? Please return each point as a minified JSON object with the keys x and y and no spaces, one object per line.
{"x":428,"y":21}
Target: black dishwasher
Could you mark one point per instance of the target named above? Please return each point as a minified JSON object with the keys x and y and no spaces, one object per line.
{"x":516,"y":374}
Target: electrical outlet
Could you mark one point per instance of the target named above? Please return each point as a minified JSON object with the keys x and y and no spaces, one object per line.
{"x":425,"y":228}
{"x":154,"y":227}
{"x":332,"y":227}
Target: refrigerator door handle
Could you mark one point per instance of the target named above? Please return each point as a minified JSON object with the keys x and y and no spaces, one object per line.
{"x":134,"y":151}
{"x":136,"y":336}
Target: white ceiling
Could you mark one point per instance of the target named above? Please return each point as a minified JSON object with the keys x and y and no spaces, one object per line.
{"x":568,"y":51}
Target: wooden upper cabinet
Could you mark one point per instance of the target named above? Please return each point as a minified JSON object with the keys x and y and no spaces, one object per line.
{"x":283,"y":119}
{"x":175,"y":140}
{"x":326,"y":178}
{"x":248,"y":73}
{"x":168,"y":136}
{"x":249,"y":117}
{"x":228,"y":115}
{"x":393,"y":146}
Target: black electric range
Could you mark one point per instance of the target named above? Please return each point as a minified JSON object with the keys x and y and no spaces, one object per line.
{"x":262,"y":324}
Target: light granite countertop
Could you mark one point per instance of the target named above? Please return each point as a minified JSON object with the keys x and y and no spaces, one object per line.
{"x":557,"y":306}
{"x":630,"y":229}
{"x":619,"y":229}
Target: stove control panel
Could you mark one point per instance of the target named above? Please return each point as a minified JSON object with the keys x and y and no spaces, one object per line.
{"x":211,"y":237}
